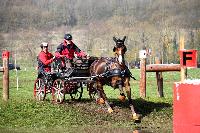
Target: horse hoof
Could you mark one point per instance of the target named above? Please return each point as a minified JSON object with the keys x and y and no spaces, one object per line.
{"x":122,"y":98}
{"x":136,"y":117}
{"x":100,"y":101}
{"x":110,"y":110}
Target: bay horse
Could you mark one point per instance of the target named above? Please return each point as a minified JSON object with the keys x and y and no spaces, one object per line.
{"x":113,"y":72}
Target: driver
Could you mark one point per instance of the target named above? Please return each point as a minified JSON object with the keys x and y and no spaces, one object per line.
{"x":68,"y":49}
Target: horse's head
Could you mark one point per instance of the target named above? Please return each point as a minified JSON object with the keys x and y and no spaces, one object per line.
{"x":119,"y":49}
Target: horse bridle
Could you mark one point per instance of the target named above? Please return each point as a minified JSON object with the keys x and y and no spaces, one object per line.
{"x":120,"y":54}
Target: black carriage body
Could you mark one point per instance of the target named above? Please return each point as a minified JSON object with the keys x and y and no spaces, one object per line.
{"x":70,"y":80}
{"x":79,"y":68}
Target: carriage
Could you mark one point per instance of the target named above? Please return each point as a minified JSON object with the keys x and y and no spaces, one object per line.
{"x":66,"y":80}
{"x":93,"y":73}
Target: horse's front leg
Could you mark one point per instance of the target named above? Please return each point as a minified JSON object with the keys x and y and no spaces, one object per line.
{"x":128,"y":92}
{"x":122,"y":96}
{"x":102,"y":96}
{"x":118,"y":81}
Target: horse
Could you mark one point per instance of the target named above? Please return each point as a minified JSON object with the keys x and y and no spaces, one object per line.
{"x":113,"y":72}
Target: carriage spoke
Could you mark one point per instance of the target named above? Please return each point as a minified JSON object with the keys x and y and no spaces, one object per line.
{"x":39,"y":90}
{"x":58,"y":93}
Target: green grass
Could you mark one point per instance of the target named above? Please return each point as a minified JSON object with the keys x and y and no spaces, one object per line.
{"x":23,"y":114}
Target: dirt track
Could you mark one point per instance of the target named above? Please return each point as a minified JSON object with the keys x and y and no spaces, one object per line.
{"x":157,"y":117}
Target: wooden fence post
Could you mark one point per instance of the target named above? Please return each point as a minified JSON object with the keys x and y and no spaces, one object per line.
{"x":159,"y":79}
{"x":142,"y":55}
{"x":183,"y":69}
{"x":5,"y":57}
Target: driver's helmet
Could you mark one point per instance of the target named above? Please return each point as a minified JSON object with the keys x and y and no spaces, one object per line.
{"x":68,"y":37}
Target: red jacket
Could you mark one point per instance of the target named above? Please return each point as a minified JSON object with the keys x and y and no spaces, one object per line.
{"x":69,"y":50}
{"x":44,"y":61}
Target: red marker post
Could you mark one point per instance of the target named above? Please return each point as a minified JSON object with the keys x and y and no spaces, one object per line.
{"x":186,"y":117}
{"x":188,"y":58}
{"x":5,"y":58}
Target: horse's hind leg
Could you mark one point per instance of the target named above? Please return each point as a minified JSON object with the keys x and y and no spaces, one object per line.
{"x":102,"y":95}
{"x":128,"y":92}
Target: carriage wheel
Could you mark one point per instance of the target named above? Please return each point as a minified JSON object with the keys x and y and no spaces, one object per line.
{"x":92,"y":90}
{"x":58,"y":92}
{"x":39,"y":90}
{"x":77,"y":92}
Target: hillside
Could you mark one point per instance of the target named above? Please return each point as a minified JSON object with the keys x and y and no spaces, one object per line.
{"x":93,"y":23}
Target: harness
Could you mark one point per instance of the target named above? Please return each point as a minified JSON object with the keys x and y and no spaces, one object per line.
{"x":112,"y":68}
{"x":110,"y":72}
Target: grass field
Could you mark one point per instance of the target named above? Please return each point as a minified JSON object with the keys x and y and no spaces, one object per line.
{"x":23,"y":114}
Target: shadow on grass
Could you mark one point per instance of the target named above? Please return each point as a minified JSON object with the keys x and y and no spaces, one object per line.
{"x":142,"y":106}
